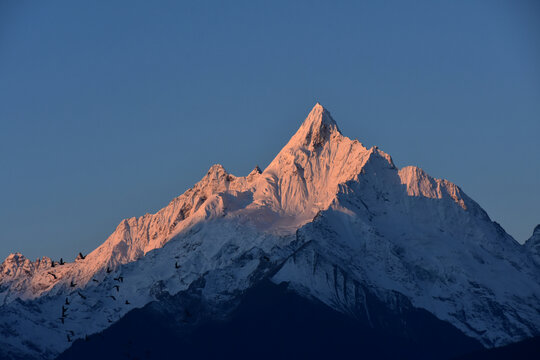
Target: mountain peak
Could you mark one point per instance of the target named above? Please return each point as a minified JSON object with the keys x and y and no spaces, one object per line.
{"x":320,"y":116}
{"x":256,"y":170}
{"x":216,"y":168}
{"x":533,"y":243}
{"x":317,"y":128}
{"x":534,"y":240}
{"x":215,"y":175}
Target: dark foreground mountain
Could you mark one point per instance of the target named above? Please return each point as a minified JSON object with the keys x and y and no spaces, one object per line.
{"x":403,"y":256}
{"x":271,"y":322}
{"x":528,"y":349}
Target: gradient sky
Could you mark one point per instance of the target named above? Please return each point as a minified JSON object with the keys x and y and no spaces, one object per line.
{"x":110,"y":110}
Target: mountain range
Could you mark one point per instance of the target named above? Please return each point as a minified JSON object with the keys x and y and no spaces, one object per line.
{"x":330,"y":251}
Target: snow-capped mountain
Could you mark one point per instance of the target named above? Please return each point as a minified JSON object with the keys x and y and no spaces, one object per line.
{"x":336,"y":221}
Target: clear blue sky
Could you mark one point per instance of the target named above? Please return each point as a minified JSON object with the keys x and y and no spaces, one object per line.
{"x":110,"y":110}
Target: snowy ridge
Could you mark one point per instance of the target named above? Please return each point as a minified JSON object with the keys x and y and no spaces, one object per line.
{"x":131,"y":240}
{"x":334,"y":219}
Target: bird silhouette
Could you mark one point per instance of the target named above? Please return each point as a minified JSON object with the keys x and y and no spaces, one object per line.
{"x":108,"y":270}
{"x":94,"y":280}
{"x":127,"y":302}
{"x":72,"y":284}
{"x":81,"y":295}
{"x":81,"y":256}
{"x":176,"y":265}
{"x":109,"y":320}
{"x":266,"y":258}
{"x":53,"y":264}
{"x":67,"y":301}
{"x":54,"y":276}
{"x":119,"y":279}
{"x":117,"y":288}
{"x":112,"y":297}
{"x":61,"y":262}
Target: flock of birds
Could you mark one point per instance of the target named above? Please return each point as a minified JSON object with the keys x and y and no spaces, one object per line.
{"x":70,"y":334}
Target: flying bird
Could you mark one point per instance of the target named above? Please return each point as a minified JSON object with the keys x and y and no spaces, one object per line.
{"x":61,"y":262}
{"x":81,"y":295}
{"x":81,"y":256}
{"x":50,"y":273}
{"x":94,"y":280}
{"x":72,"y":284}
{"x":67,"y":301}
{"x":108,"y":270}
{"x":176,"y":265}
{"x":53,"y":264}
{"x":112,"y":297}
{"x":120,"y":279}
{"x":266,"y":258}
{"x":117,"y":288}
{"x":127,"y":302}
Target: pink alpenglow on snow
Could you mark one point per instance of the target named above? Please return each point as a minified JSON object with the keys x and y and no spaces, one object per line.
{"x":328,"y":216}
